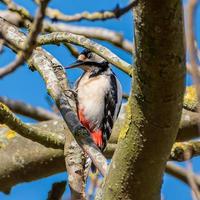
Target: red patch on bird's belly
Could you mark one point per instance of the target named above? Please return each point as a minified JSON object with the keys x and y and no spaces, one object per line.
{"x":82,"y":119}
{"x":97,"y":135}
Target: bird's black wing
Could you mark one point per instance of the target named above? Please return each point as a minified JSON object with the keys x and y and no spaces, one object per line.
{"x":111,"y":108}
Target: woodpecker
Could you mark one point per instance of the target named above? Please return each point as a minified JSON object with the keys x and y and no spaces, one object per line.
{"x":98,"y":96}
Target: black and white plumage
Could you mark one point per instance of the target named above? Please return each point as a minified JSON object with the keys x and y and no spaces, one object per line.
{"x":99,"y":96}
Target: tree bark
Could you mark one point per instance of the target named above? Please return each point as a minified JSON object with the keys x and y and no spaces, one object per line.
{"x":155,"y":104}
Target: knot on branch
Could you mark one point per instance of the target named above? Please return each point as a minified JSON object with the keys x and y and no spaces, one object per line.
{"x":117,"y":11}
{"x":181,"y":152}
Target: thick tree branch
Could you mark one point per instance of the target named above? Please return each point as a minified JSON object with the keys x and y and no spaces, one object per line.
{"x":43,"y":163}
{"x":24,"y":160}
{"x":157,"y":93}
{"x":75,"y":165}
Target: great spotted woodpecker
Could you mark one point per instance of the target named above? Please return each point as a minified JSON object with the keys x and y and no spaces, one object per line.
{"x":99,"y":96}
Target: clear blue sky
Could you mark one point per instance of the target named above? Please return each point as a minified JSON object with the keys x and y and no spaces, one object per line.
{"x":29,"y":87}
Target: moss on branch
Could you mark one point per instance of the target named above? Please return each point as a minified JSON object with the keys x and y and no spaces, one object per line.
{"x":44,"y":137}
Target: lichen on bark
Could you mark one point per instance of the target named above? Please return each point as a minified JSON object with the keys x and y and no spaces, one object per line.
{"x":138,"y":163}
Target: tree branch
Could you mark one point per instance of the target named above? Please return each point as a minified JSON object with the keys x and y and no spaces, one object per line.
{"x":191,"y":44}
{"x":180,"y":173}
{"x":104,"y":34}
{"x":18,"y":9}
{"x":20,"y":158}
{"x":157,"y":93}
{"x":75,"y":161}
{"x":181,"y":149}
{"x":14,"y":146}
{"x":57,"y":190}
{"x":58,"y":37}
{"x":117,"y":12}
{"x":28,"y":110}
{"x":44,"y":137}
{"x":30,"y":42}
{"x":21,"y":161}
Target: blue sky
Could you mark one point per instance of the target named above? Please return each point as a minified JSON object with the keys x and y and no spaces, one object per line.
{"x":29,"y":87}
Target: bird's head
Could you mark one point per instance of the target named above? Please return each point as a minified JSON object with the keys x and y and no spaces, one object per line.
{"x":89,"y":61}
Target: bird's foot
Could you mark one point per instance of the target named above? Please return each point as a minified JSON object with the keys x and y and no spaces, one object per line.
{"x":71,"y":93}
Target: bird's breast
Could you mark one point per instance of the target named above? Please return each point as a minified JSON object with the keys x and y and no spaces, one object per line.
{"x":91,"y":98}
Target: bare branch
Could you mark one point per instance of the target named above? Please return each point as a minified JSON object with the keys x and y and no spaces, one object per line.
{"x":99,"y":15}
{"x":42,"y":136}
{"x":74,"y":52}
{"x":180,"y":173}
{"x":18,"y":9}
{"x":30,"y":43}
{"x":28,"y":110}
{"x":191,"y":179}
{"x":58,"y":37}
{"x":104,"y":34}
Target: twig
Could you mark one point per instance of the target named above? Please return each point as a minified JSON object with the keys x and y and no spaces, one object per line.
{"x":57,"y":190}
{"x":99,"y":15}
{"x":28,"y":110}
{"x":180,"y":173}
{"x":58,"y":37}
{"x":190,"y":174}
{"x":30,"y":43}
{"x":44,"y":137}
{"x":74,"y":52}
{"x":18,"y":9}
{"x":192,"y":182}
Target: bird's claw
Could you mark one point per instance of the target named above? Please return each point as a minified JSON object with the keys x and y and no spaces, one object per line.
{"x":73,"y":92}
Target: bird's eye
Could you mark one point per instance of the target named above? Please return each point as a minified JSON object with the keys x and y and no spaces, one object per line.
{"x":89,"y":55}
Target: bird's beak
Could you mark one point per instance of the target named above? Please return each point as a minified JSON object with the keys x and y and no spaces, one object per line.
{"x":78,"y":63}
